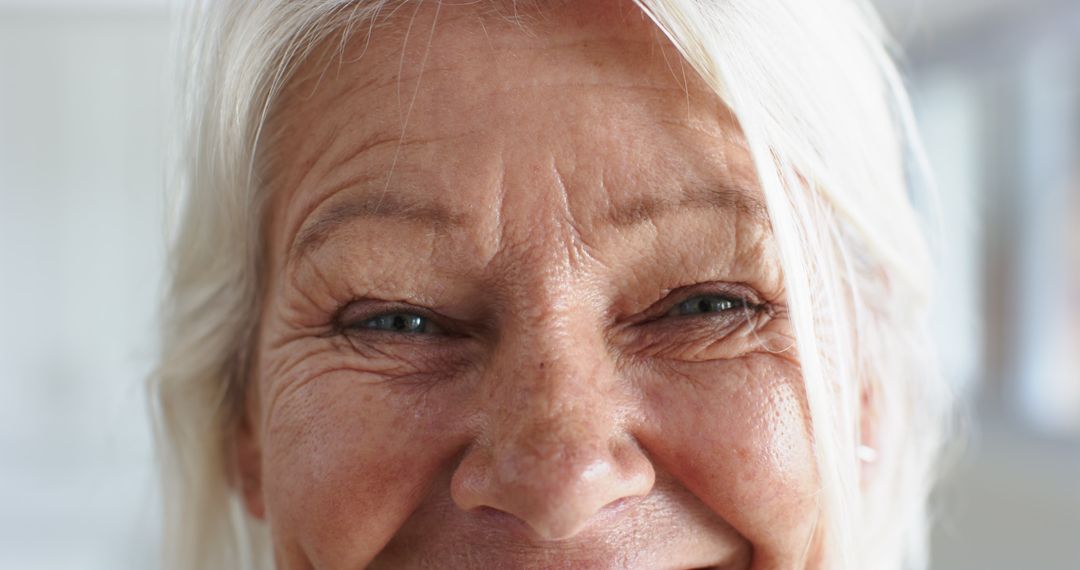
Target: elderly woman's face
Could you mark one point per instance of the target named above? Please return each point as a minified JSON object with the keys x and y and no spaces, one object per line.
{"x":523,"y":310}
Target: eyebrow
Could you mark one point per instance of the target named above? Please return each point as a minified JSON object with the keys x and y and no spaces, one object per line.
{"x":714,"y":197}
{"x":386,"y":205}
{"x":379,"y":205}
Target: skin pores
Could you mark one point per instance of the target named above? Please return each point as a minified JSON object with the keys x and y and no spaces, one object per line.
{"x":522,"y":309}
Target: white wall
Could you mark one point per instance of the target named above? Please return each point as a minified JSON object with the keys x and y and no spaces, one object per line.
{"x":81,"y":172}
{"x":997,"y":97}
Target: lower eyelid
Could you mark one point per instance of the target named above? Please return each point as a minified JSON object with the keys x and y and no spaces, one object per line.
{"x":384,"y":337}
{"x":398,"y":361}
{"x":696,"y":333}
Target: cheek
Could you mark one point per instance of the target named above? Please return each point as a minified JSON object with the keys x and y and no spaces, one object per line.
{"x":736,"y":434}
{"x":344,"y":464}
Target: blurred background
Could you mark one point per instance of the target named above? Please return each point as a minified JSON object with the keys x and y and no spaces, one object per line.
{"x":84,"y":106}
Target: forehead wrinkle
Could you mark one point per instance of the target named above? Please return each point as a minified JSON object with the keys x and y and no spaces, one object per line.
{"x":305,"y":92}
{"x":449,"y":79}
{"x":370,"y":83}
{"x":311,"y":235}
{"x":336,"y":146}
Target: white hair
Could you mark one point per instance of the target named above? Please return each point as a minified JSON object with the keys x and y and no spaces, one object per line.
{"x":828,"y":124}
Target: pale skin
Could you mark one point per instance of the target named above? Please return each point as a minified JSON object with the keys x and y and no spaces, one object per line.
{"x":523,"y":309}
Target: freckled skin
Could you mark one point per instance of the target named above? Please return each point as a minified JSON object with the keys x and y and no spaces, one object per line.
{"x":559,"y":416}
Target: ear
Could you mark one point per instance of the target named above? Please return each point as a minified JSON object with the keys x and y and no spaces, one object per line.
{"x":246,"y":460}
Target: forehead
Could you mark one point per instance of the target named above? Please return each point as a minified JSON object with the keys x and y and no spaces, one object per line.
{"x":439,"y":108}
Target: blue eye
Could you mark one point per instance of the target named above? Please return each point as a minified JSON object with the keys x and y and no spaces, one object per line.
{"x":706,"y":304}
{"x":407,"y":323}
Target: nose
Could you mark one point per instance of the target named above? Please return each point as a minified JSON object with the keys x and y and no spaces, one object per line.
{"x":553,"y":452}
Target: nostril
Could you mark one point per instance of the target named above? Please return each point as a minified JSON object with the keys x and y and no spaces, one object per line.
{"x":555,"y":496}
{"x":618,"y":505}
{"x":491,"y":517}
{"x":517,"y":528}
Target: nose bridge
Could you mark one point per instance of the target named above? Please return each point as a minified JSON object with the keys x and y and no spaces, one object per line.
{"x":553,"y":382}
{"x":547,"y":370}
{"x":553,"y":409}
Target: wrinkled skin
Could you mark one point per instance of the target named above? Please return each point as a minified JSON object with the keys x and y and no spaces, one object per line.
{"x":523,"y":309}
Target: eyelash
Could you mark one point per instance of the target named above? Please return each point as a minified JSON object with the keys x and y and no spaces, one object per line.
{"x":742,"y":304}
{"x":346,"y":326}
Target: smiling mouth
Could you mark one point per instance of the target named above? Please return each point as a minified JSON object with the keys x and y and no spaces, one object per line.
{"x":611,"y":564}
